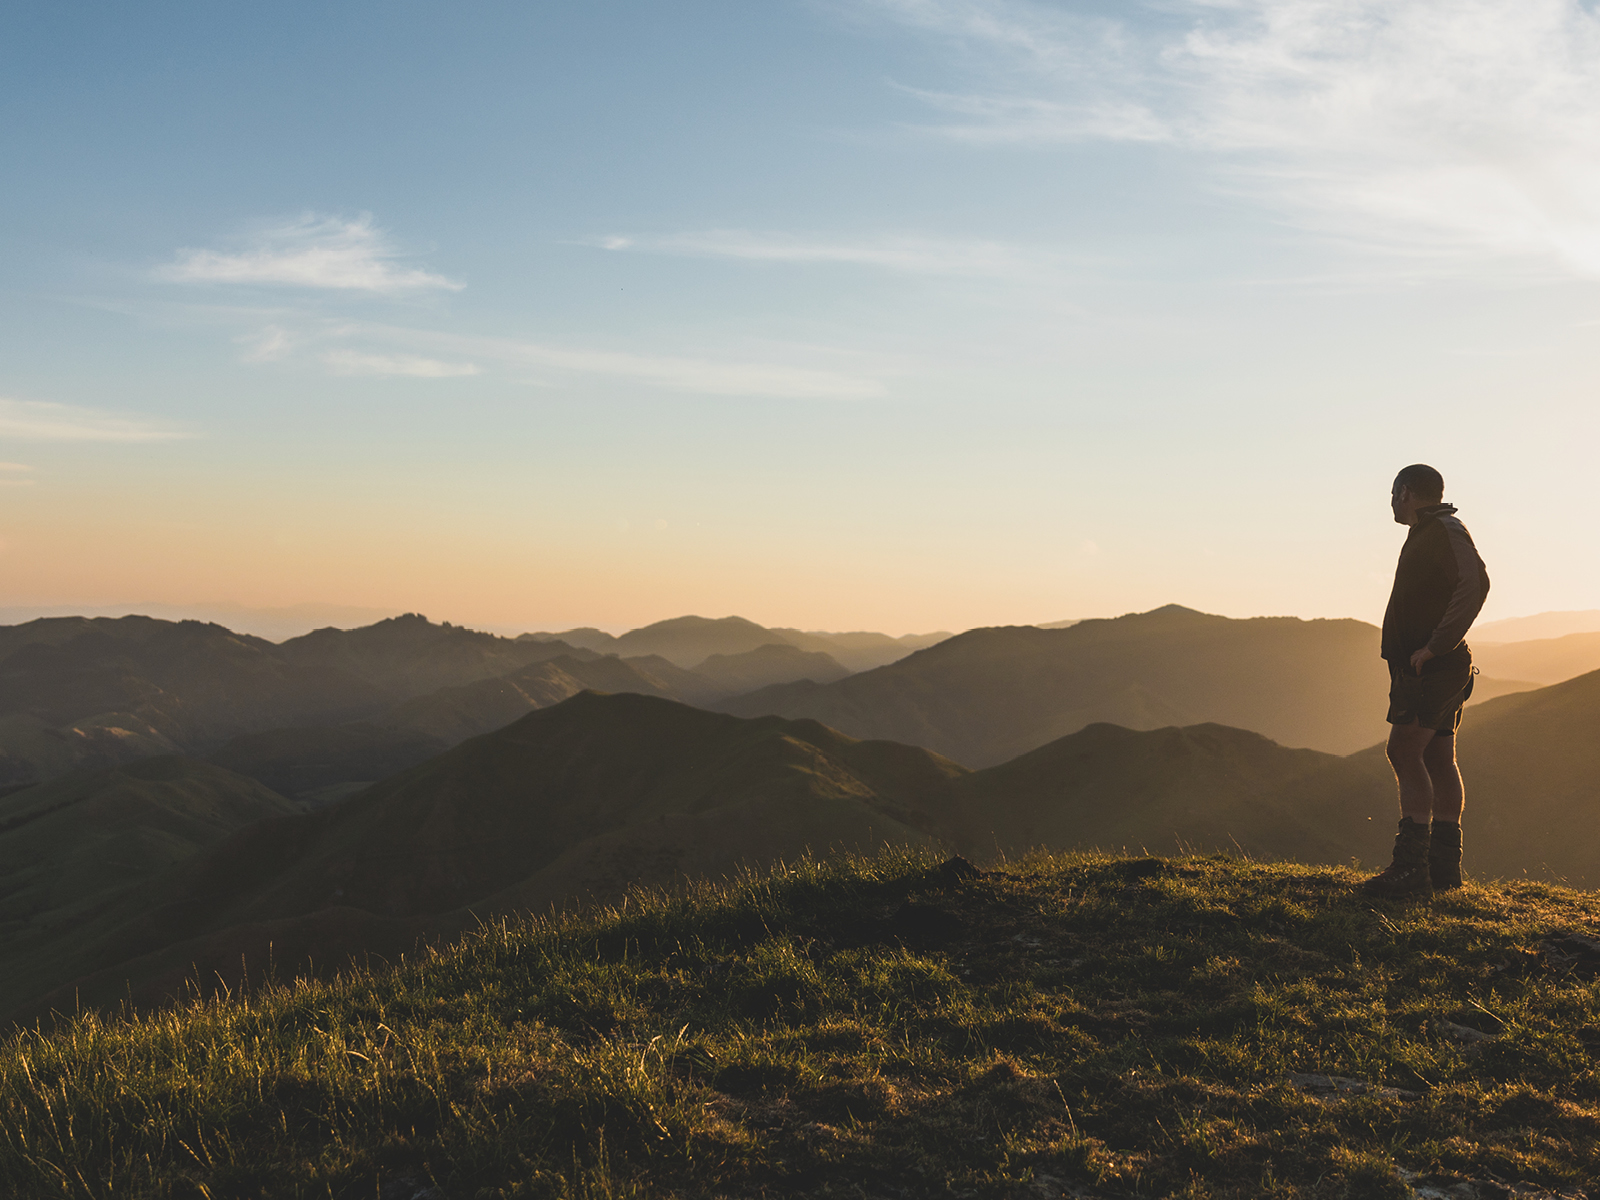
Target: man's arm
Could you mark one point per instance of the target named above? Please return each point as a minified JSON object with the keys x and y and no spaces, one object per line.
{"x":1467,"y":597}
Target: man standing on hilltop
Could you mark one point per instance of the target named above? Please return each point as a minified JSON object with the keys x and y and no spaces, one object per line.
{"x":1439,"y":587}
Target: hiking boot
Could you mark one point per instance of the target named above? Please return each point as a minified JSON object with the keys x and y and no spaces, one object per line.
{"x":1444,"y":856}
{"x":1407,"y":876}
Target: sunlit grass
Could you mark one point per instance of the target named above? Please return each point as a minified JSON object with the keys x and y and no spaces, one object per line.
{"x":1118,"y":1025}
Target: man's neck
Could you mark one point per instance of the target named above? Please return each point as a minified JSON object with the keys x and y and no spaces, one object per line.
{"x":1422,"y":512}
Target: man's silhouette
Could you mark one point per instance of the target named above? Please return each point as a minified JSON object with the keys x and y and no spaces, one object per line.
{"x":1439,"y":587}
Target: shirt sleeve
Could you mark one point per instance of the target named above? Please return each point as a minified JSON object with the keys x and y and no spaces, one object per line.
{"x":1471,"y":588}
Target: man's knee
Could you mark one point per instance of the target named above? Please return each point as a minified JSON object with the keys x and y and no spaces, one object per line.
{"x":1440,"y":753}
{"x":1407,"y":745}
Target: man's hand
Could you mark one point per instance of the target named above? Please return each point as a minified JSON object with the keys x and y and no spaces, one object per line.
{"x":1420,"y":657}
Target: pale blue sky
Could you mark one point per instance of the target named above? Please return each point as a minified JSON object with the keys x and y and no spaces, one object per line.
{"x":898,"y":314}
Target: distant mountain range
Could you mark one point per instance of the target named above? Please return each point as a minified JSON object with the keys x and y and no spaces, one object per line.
{"x":319,"y":715}
{"x":89,"y":693}
{"x":276,"y":624}
{"x":987,"y":695}
{"x":366,"y":788}
{"x":690,"y":641}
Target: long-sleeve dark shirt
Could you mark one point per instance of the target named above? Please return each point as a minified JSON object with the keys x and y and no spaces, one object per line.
{"x":1440,"y":585}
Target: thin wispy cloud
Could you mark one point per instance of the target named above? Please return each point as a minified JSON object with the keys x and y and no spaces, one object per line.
{"x":42,"y":421}
{"x":1428,"y":127}
{"x":894,"y":252}
{"x":328,"y":253}
{"x":679,"y":373}
{"x":15,"y":475}
{"x":359,"y":348}
{"x":709,"y":377}
{"x":1018,"y":119}
{"x":353,"y":362}
{"x":317,"y":252}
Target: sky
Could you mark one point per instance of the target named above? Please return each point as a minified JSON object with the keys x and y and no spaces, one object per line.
{"x":885,"y":314}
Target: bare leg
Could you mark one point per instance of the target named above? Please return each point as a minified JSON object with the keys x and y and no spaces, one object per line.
{"x":1448,"y":792}
{"x":1407,"y":746}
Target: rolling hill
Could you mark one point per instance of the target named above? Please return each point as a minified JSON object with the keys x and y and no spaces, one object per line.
{"x":1541,"y":660}
{"x":1200,"y":789}
{"x":452,"y":715}
{"x":320,"y":763}
{"x":862,"y":651}
{"x":1073,"y":1027}
{"x":581,"y":799}
{"x":410,"y":655}
{"x":186,"y":679}
{"x":70,"y":846}
{"x":600,"y":792}
{"x":690,"y":641}
{"x":33,"y":749}
{"x":1532,"y":767}
{"x":732,"y":674}
{"x":90,"y":693}
{"x":684,"y":641}
{"x":988,"y":695}
{"x":1539,"y":626}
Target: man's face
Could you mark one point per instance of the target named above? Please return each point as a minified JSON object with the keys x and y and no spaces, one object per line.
{"x":1400,"y":503}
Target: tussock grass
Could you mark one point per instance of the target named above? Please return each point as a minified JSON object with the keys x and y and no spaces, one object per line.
{"x":863,"y":1027}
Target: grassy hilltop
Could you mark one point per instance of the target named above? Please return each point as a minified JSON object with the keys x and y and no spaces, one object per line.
{"x":1079,"y":1025}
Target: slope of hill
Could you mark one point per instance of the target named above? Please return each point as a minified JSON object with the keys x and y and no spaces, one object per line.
{"x":305,"y":762}
{"x":587,"y":797}
{"x":689,"y":641}
{"x":452,"y":715}
{"x":731,"y":674}
{"x":322,"y":763}
{"x":593,"y":794}
{"x":81,"y":693}
{"x":1487,"y":687}
{"x":32,"y":749}
{"x":409,"y":655}
{"x":987,"y":695}
{"x":668,"y":679}
{"x":684,"y":641}
{"x":862,"y":651}
{"x":1204,"y":788}
{"x":1081,"y":1027}
{"x":1543,"y":660}
{"x":601,"y":792}
{"x":1532,"y":768}
{"x":584,"y":637}
{"x":1540,"y":625}
{"x":184,"y":678}
{"x":115,"y":689}
{"x":70,"y":845}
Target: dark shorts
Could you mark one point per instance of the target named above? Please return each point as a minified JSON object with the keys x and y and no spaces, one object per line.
{"x":1432,"y":699}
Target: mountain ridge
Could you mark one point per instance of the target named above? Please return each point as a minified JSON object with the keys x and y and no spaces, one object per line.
{"x":689,"y":640}
{"x":987,"y":695}
{"x":92,"y":693}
